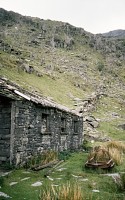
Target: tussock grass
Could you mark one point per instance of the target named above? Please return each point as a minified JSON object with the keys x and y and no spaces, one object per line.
{"x":48,"y":156}
{"x":99,"y":154}
{"x":68,"y":191}
{"x":120,"y":146}
{"x":42,"y":158}
{"x":116,"y":150}
{"x":110,"y":150}
{"x":116,"y":156}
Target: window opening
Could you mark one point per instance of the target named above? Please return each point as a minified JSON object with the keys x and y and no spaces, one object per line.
{"x":75,"y":126}
{"x":63,"y":124}
{"x":44,"y":128}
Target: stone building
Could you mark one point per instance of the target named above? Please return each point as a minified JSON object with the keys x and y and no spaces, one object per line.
{"x":30,"y":123}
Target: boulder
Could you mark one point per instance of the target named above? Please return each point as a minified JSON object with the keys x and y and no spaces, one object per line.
{"x":92,"y":121}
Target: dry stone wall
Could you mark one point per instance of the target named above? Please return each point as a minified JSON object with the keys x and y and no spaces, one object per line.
{"x":35,"y":128}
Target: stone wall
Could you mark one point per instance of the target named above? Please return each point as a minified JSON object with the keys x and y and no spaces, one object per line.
{"x":35,"y":128}
{"x":5,"y":127}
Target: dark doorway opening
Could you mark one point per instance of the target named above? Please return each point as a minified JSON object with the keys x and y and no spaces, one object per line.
{"x":5,"y":129}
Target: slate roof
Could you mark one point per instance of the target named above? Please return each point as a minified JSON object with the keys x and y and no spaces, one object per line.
{"x":15,"y":92}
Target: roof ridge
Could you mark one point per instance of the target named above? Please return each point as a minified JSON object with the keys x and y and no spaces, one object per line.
{"x":36,"y":98}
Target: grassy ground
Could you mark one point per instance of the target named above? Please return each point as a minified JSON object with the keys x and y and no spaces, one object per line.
{"x":73,"y":171}
{"x":76,"y":73}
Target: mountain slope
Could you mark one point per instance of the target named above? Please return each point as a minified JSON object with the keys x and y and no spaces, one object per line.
{"x":65,"y":63}
{"x":116,"y":33}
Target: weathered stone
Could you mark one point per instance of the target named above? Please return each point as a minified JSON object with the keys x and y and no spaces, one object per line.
{"x":122,"y":126}
{"x":92,"y":121}
{"x":3,"y":158}
{"x":30,"y":127}
{"x":27,"y":68}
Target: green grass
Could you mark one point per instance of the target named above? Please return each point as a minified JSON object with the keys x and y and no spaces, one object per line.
{"x":22,"y":189}
{"x":73,"y":171}
{"x":111,"y":114}
{"x":111,"y":130}
{"x":59,"y":88}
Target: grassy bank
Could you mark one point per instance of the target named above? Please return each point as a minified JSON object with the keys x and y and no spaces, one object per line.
{"x":92,"y":184}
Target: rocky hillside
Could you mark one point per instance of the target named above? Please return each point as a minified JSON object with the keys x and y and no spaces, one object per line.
{"x":83,"y":71}
{"x":119,"y":33}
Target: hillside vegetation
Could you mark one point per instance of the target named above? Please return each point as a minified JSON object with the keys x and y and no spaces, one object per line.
{"x":82,"y":71}
{"x":68,"y":65}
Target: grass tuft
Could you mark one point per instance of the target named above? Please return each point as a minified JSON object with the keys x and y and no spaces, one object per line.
{"x":120,"y":146}
{"x":42,"y":158}
{"x":67,"y":191}
{"x":116,"y":150}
